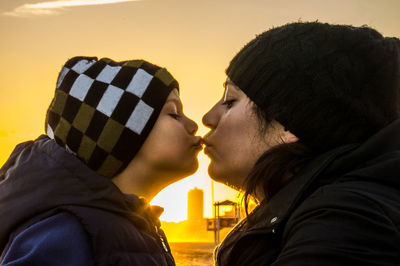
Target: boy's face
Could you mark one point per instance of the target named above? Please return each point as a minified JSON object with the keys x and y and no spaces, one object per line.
{"x":172,"y":147}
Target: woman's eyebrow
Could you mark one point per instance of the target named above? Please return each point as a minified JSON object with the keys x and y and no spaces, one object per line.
{"x":225,"y":93}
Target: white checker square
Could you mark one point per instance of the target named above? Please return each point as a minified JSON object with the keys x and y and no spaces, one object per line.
{"x":82,"y":66}
{"x":50,"y":131}
{"x":109,"y":100}
{"x":139,"y":117}
{"x":108,"y":73}
{"x":139,"y":82}
{"x":81,"y":87}
{"x":61,"y":77}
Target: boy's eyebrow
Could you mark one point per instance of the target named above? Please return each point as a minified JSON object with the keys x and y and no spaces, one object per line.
{"x":176,"y":101}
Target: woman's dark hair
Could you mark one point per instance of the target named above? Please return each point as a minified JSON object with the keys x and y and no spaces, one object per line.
{"x":275,"y":167}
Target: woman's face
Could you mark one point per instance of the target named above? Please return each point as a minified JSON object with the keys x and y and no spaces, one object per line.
{"x":235,"y":142}
{"x":172,"y":147}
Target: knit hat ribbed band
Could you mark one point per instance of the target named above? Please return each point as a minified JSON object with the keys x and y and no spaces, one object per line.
{"x":328,"y":84}
{"x":103,"y":110}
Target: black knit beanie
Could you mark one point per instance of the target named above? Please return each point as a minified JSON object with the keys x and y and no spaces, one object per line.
{"x":103,"y":110}
{"x":328,"y":84}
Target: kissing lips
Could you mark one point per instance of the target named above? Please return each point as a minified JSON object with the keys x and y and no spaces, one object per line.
{"x":207,"y":148}
{"x":198,"y":145}
{"x":208,"y":151}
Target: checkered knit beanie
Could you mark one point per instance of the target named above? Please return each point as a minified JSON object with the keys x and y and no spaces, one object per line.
{"x":103,"y":110}
{"x":329,"y":85}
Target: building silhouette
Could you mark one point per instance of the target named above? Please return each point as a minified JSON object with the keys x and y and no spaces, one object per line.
{"x":195,"y":204}
{"x":199,"y":229}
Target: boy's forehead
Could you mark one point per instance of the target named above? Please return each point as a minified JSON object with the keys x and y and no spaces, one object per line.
{"x":174,"y":98}
{"x":173,"y":95}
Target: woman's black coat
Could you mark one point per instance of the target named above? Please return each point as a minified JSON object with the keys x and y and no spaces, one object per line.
{"x":343,"y":208}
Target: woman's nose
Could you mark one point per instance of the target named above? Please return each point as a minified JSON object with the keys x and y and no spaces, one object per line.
{"x":210,"y":119}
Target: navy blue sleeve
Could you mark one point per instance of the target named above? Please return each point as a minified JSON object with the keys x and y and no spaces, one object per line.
{"x":57,"y":240}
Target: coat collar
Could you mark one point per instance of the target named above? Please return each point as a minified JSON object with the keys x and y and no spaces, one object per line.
{"x":269,"y":215}
{"x":337,"y":161}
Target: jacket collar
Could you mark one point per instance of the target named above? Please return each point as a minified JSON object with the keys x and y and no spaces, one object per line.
{"x":269,"y":215}
{"x":352,"y":158}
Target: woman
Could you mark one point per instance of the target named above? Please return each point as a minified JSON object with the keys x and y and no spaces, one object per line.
{"x":308,"y":125}
{"x":116,"y":136}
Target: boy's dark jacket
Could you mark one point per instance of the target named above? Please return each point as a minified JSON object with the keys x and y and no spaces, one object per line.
{"x":343,"y":208}
{"x":41,"y":179}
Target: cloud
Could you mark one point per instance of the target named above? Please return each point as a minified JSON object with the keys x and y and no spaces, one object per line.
{"x":52,"y":7}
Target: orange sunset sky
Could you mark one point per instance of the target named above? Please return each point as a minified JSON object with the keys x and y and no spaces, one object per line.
{"x":195,"y":40}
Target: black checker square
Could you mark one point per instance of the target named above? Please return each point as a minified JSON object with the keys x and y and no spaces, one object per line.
{"x":150,"y":68}
{"x":96,"y":125}
{"x":154,"y":96}
{"x":73,"y":61}
{"x":94,"y":70}
{"x":111,"y":62}
{"x":68,"y":81}
{"x":52,"y":119}
{"x":59,"y":141}
{"x":97,"y":158}
{"x":73,"y":108}
{"x":124,"y":77}
{"x":74,"y":139}
{"x":95,"y":93}
{"x":125,"y":107}
{"x":128,"y":144}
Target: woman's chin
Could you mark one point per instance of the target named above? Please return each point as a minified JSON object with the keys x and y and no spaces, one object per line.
{"x":222,"y":177}
{"x":216,"y":174}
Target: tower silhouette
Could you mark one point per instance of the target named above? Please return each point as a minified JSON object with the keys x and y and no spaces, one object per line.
{"x":195,"y":204}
